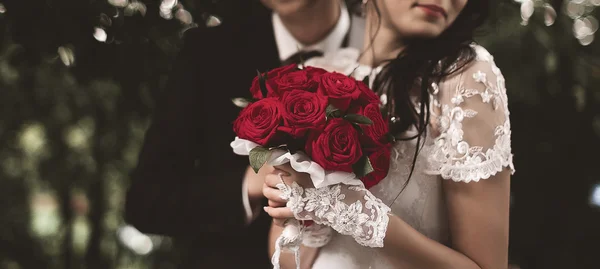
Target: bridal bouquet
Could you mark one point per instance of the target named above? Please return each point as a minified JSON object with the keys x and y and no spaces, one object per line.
{"x":325,"y":124}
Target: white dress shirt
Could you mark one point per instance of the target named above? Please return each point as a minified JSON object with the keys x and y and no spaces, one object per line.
{"x":287,"y":46}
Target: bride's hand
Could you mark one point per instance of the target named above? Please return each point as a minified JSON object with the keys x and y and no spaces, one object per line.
{"x":348,"y":209}
{"x":277,"y":205}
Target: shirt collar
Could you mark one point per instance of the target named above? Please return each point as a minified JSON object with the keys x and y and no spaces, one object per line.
{"x":287,"y":45}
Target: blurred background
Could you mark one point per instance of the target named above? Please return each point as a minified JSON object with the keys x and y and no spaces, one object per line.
{"x":78,"y":81}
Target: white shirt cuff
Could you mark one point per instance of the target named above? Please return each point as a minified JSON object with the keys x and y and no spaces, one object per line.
{"x":246,"y":201}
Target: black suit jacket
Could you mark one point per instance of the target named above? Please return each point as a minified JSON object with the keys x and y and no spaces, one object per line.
{"x":188,"y":180}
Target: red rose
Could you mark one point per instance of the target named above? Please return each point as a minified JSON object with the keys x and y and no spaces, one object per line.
{"x":340,"y":89}
{"x":270,"y":76}
{"x":380,"y":160}
{"x":377,"y":131}
{"x":302,"y":111}
{"x":335,"y":148}
{"x":306,"y":79}
{"x":258,"y":122}
{"x":314,"y":73}
{"x":255,"y":89}
{"x":282,"y":70}
{"x":367,"y":96}
{"x":295,"y":80}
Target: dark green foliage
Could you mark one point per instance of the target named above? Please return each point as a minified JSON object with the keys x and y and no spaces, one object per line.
{"x":69,"y":135}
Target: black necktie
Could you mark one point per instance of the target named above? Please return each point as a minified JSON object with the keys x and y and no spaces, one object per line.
{"x":301,"y":56}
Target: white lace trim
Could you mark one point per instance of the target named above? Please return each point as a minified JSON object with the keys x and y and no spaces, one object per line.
{"x":289,"y":241}
{"x":300,"y":162}
{"x":349,"y":210}
{"x":451,"y":156}
{"x":477,"y":164}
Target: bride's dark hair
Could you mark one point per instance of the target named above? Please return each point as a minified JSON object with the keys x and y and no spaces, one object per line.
{"x":421,"y":63}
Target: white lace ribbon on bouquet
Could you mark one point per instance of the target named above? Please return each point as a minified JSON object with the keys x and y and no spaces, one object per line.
{"x":294,"y":233}
{"x":300,"y":162}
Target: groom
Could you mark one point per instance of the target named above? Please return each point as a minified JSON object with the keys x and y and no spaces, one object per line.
{"x":188,"y":183}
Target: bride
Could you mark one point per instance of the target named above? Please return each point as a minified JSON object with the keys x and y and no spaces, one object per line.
{"x":448,"y":186}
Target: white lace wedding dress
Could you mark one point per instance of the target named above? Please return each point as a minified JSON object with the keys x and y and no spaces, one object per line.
{"x":468,"y":140}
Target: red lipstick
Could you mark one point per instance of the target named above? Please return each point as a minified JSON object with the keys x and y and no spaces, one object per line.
{"x":433,"y":10}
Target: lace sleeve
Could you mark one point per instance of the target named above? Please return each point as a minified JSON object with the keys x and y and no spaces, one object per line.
{"x":472,"y":122}
{"x":349,"y":210}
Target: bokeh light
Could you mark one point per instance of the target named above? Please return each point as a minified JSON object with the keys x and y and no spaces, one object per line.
{"x":135,"y":7}
{"x":585,"y":24}
{"x":66,"y":55}
{"x":118,"y":3}
{"x":100,"y":34}
{"x":135,"y":240}
{"x":595,"y":196}
{"x":213,"y":21}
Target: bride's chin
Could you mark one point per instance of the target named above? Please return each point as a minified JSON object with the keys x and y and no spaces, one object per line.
{"x":423,"y":32}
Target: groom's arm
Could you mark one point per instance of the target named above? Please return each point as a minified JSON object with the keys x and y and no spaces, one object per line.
{"x":177,"y":188}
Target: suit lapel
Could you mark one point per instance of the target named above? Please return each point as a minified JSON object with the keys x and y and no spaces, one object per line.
{"x":261,"y":40}
{"x":261,"y":47}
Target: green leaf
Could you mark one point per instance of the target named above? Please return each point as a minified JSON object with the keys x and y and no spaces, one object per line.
{"x":363,"y":167}
{"x":391,"y":138}
{"x":332,"y":112}
{"x":258,"y":157}
{"x":358,"y":128}
{"x":262,"y":82}
{"x":241,"y":102}
{"x":360,"y":119}
{"x":366,"y":80}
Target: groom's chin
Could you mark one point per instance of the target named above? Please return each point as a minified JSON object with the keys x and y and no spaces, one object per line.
{"x":289,"y":8}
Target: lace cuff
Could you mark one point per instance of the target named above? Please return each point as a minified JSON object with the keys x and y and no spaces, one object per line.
{"x":349,"y":210}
